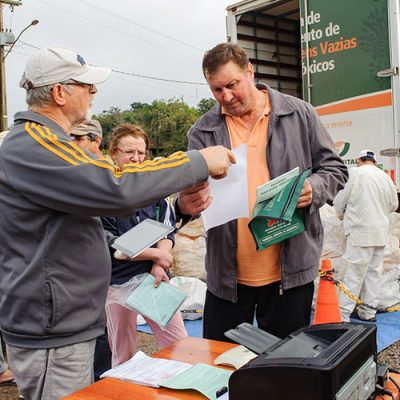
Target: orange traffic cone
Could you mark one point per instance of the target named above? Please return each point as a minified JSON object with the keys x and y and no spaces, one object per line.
{"x":393,"y":384}
{"x":327,"y":305}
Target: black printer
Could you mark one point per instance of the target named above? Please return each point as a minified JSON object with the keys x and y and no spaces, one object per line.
{"x":321,"y":362}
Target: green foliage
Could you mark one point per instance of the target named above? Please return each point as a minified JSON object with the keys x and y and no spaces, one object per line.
{"x":166,"y":122}
{"x":205,"y":105}
{"x":109,"y":120}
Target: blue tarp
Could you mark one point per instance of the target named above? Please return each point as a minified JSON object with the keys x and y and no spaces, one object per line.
{"x":388,"y":327}
{"x":194,"y":328}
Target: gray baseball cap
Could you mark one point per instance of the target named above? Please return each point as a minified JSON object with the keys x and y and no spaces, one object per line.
{"x":92,"y":126}
{"x":54,"y":65}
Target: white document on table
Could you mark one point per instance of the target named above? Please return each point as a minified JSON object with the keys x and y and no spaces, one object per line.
{"x":146,"y":370}
{"x":156,"y":372}
{"x":230,"y":197}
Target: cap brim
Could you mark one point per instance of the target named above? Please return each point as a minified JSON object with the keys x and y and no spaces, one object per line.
{"x":93,"y":75}
{"x":78,"y":133}
{"x":82,"y":132}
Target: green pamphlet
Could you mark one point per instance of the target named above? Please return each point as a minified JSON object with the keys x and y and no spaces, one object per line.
{"x":204,"y":378}
{"x":158,"y":304}
{"x":271,"y":188}
{"x":277,"y":218}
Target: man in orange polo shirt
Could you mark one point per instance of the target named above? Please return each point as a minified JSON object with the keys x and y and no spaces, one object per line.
{"x":274,"y":285}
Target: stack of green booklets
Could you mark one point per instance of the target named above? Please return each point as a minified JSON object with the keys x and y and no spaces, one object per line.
{"x":275,"y":216}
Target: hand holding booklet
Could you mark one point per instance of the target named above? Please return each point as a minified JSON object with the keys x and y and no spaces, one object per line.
{"x":158,"y":304}
{"x":275,"y":216}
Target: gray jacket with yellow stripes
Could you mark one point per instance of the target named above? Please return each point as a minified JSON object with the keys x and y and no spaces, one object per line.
{"x":54,"y":262}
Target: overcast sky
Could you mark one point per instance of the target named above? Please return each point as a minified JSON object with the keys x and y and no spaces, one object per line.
{"x":164,"y":39}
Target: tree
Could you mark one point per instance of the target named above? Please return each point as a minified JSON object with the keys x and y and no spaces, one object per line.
{"x":205,"y":105}
{"x":135,"y":106}
{"x":109,"y":119}
{"x":166,"y":122}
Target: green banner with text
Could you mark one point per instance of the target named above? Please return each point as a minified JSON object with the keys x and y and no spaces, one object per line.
{"x":348,"y":43}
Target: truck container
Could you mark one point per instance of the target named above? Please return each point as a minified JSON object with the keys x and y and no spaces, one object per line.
{"x":342,"y":56}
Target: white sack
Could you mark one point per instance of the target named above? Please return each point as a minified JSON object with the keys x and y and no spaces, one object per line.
{"x":334,"y":238}
{"x":195,"y":289}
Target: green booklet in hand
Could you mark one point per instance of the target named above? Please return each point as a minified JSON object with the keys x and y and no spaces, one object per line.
{"x":158,"y":304}
{"x":277,"y":218}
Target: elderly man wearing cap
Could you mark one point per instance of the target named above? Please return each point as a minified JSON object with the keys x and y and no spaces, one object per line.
{"x":54,"y":264}
{"x":89,"y":136}
{"x":365,"y":204}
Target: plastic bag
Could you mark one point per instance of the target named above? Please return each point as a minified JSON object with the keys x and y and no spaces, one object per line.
{"x":334,"y":237}
{"x":117,"y":294}
{"x":389,"y":293}
{"x":195,"y":289}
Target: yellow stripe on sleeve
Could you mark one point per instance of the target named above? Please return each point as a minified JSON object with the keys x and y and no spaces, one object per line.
{"x":75,"y":155}
{"x":47,"y":146}
{"x":152,"y":167}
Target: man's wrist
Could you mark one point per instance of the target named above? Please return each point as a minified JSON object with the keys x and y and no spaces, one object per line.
{"x":181,"y":215}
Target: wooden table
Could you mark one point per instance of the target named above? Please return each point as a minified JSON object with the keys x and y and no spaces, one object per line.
{"x":191,"y":350}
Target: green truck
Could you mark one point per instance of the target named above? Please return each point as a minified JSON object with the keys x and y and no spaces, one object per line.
{"x":342,"y":56}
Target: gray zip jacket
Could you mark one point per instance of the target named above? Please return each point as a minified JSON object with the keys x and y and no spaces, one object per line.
{"x":55,"y":266}
{"x":296,"y":138}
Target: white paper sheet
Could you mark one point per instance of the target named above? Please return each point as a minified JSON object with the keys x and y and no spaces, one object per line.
{"x":146,"y":370}
{"x":230,"y":194}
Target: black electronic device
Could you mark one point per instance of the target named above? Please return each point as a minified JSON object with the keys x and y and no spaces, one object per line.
{"x":321,"y":362}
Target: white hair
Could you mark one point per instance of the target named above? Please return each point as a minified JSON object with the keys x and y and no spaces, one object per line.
{"x":41,"y":96}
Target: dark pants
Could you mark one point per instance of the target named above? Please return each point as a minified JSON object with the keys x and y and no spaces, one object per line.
{"x":102,"y":356}
{"x":278,"y":314}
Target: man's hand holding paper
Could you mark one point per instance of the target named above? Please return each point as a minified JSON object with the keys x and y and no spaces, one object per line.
{"x":195,"y":200}
{"x":210,"y":198}
{"x":229,"y":195}
{"x":218,"y":159}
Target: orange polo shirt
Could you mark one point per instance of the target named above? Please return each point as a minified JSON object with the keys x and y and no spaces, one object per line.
{"x":255,"y":268}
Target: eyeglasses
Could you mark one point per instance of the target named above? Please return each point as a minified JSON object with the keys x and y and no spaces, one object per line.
{"x":131,"y":153}
{"x":90,"y":86}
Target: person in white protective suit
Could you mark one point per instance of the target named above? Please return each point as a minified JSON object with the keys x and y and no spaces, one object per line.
{"x":364,"y":205}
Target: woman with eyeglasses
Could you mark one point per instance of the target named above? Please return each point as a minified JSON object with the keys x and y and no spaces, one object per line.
{"x":129,"y":144}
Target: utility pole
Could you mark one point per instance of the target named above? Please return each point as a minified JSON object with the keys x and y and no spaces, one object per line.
{"x":3,"y":98}
{"x":6,"y":38}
